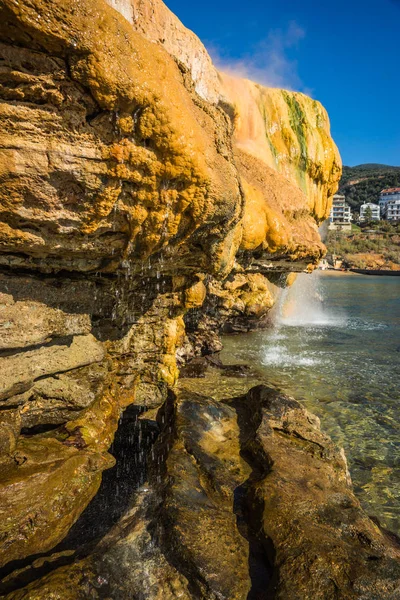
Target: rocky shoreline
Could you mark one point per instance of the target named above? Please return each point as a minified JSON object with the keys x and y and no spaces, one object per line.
{"x":237,"y":498}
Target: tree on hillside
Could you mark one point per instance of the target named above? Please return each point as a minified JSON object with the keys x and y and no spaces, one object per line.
{"x":368,"y":214}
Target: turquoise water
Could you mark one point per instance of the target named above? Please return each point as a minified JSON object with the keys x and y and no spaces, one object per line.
{"x":336,"y":347}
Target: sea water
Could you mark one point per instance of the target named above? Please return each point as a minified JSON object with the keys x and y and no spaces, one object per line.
{"x":335,"y":346}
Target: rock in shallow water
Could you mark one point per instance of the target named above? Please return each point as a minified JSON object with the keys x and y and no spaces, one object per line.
{"x":325,"y":545}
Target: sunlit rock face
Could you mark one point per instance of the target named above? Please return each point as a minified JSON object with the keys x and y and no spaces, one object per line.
{"x":114,"y":182}
{"x":107,"y":159}
{"x":275,"y":132}
{"x":154,"y":20}
{"x":288,"y":163}
{"x":289,"y":168}
{"x":132,"y":189}
{"x":290,"y":133}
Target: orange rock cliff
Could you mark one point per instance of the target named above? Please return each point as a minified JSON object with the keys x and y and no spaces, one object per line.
{"x":147,"y":202}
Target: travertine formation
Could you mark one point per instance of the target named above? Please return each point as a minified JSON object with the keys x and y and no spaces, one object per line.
{"x":153,"y":20}
{"x":146,"y":201}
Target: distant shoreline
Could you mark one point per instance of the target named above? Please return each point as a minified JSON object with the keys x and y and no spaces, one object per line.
{"x":377,"y":272}
{"x":369,"y":272}
{"x":335,"y":272}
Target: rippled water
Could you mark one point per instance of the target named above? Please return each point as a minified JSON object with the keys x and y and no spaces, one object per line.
{"x":336,"y":347}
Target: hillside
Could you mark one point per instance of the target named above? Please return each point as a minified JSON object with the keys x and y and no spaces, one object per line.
{"x":363,"y":183}
{"x":378,"y":249}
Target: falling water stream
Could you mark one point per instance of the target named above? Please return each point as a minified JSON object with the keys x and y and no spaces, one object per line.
{"x":336,"y":347}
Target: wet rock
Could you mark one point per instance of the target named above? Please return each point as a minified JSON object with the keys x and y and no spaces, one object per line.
{"x":46,"y":386}
{"x":244,"y":499}
{"x":197,"y":367}
{"x":204,"y":468}
{"x":178,"y":537}
{"x":238,"y":371}
{"x":238,"y":304}
{"x":150,"y":395}
{"x":128,"y":565}
{"x":10,"y":426}
{"x":43,"y":489}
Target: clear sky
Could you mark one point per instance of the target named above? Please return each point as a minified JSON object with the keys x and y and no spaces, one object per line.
{"x":344,"y":53}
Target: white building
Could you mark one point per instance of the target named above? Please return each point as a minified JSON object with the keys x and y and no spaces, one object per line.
{"x":393,"y":210}
{"x":386,"y":196}
{"x":340,"y":216}
{"x":373,"y":209}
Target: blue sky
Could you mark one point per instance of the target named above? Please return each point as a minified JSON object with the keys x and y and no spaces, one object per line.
{"x":345,"y":54}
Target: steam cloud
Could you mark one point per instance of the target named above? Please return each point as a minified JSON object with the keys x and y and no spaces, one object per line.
{"x":268,"y":64}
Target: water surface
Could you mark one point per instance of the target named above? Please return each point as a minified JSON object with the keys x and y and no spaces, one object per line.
{"x":336,"y":347}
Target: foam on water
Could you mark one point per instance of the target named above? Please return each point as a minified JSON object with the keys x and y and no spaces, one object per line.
{"x":314,"y":320}
{"x":301,"y":306}
{"x":277,"y":336}
{"x":357,"y":323}
{"x":280,"y":356}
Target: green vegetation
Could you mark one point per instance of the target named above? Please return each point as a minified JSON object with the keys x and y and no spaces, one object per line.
{"x":297,"y":122}
{"x":375,"y":246}
{"x":368,"y":214}
{"x":342,"y":245}
{"x":364,"y":183}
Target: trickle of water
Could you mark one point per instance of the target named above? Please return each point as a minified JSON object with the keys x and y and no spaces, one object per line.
{"x":114,"y":217}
